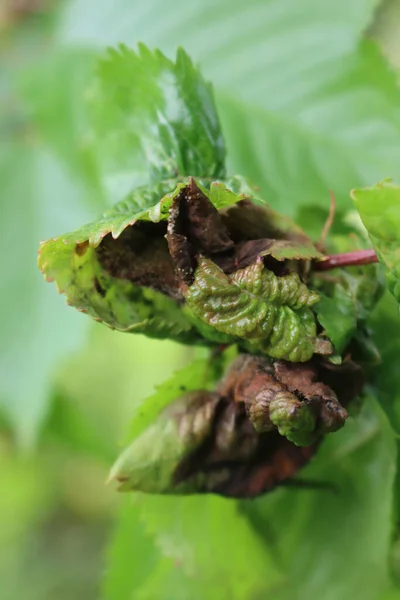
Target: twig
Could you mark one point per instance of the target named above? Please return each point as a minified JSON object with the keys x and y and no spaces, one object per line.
{"x":347,"y":259}
{"x":329,"y":221}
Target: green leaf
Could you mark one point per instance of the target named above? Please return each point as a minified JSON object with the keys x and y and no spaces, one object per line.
{"x":146,"y":118}
{"x":351,"y":298}
{"x":385,"y":325}
{"x":36,"y":331}
{"x":379,"y":207}
{"x":130,"y":539}
{"x":191,"y":530}
{"x":178,"y":536}
{"x":198,"y":375}
{"x":335,"y":544}
{"x":46,"y":101}
{"x":322,"y":116}
{"x":149,"y":113}
{"x":272,"y":313}
{"x":287,"y":250}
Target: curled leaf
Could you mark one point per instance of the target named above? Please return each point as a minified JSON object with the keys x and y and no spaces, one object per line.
{"x":272,"y":313}
{"x":290,"y":397}
{"x":206,"y":441}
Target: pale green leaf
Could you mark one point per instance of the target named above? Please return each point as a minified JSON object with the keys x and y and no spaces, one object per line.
{"x":348,"y":302}
{"x":36,"y":330}
{"x":190,"y":530}
{"x":198,"y":375}
{"x":379,"y":208}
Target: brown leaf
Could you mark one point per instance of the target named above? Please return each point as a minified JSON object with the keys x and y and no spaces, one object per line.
{"x":195,"y":227}
{"x":235,"y":460}
{"x":140,"y":255}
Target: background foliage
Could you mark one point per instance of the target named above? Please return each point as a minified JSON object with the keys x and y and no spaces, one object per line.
{"x":308,"y":104}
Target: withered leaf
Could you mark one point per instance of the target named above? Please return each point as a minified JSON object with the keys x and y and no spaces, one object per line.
{"x":194,"y":227}
{"x":140,"y":255}
{"x":285,"y":395}
{"x":206,"y":441}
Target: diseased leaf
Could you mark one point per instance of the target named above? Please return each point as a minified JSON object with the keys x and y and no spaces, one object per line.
{"x":225,"y":439}
{"x":121,"y":273}
{"x":294,"y":398}
{"x":272,"y":313}
{"x":379,"y":208}
{"x":116,"y":302}
{"x":202,"y":443}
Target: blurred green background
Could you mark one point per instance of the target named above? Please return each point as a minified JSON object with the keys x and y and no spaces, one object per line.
{"x":308,"y":104}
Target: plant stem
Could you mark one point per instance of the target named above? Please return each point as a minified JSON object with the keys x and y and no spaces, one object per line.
{"x":347,"y":259}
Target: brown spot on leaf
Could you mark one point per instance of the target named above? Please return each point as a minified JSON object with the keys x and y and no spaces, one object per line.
{"x":81,"y":248}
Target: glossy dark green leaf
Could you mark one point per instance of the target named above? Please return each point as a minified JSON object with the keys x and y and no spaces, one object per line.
{"x":149,"y":114}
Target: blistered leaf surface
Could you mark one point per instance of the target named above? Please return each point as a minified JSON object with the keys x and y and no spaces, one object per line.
{"x":272,"y":313}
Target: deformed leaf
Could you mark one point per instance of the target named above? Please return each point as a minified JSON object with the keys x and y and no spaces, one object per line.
{"x":379,"y":208}
{"x":116,"y":302}
{"x":271,"y":313}
{"x":207,"y":441}
{"x":194,"y":227}
{"x":118,"y":269}
{"x":289,"y":397}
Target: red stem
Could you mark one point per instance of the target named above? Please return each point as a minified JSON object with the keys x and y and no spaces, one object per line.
{"x":348,"y":259}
